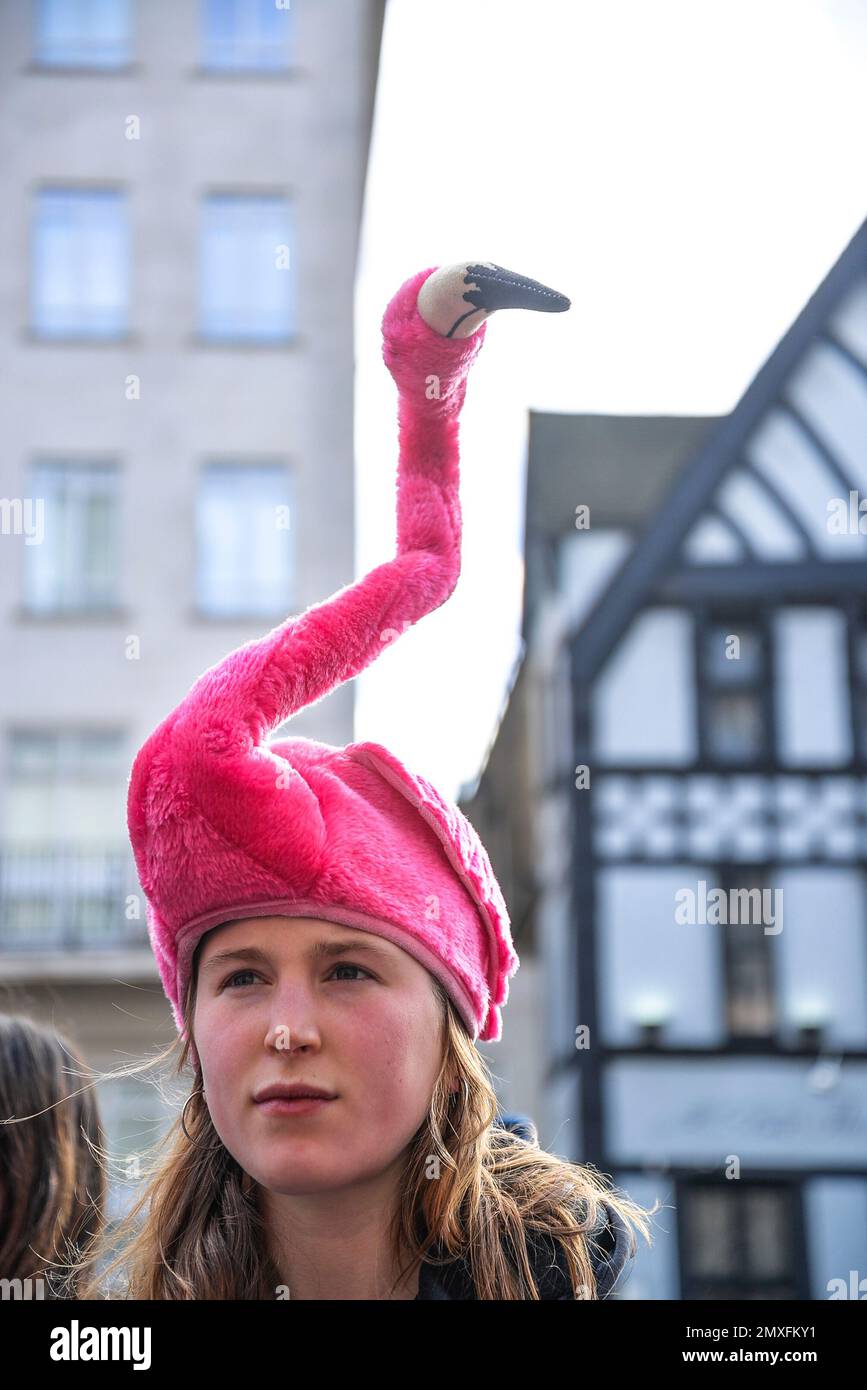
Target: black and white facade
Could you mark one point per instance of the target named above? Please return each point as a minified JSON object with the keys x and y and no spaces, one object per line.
{"x":700,"y":859}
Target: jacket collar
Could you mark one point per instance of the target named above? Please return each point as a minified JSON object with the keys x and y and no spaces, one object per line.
{"x":432,"y":1284}
{"x":449,"y":1281}
{"x":453,"y":1280}
{"x":609,"y":1257}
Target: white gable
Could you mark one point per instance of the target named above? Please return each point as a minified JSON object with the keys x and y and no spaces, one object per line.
{"x":795,"y":490}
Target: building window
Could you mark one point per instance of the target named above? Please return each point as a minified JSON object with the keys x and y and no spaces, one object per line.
{"x":74,"y":568}
{"x":66,"y":870}
{"x":83,"y":33}
{"x":80,"y":281}
{"x":734,"y":689}
{"x":748,"y":970}
{"x":245,"y":542}
{"x":738,"y":1241}
{"x":253,"y":35}
{"x":247,"y":283}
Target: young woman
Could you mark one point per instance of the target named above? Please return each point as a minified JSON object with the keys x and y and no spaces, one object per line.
{"x":328,"y":926}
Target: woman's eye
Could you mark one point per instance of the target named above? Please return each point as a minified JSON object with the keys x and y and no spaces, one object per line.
{"x":239,"y":975}
{"x":347,"y":965}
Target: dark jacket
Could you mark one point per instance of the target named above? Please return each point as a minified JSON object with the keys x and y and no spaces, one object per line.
{"x":548,"y":1260}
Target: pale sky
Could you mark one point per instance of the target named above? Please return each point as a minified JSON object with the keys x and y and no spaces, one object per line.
{"x":685,"y":171}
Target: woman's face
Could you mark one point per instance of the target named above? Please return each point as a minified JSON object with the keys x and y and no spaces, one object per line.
{"x":324,"y":1004}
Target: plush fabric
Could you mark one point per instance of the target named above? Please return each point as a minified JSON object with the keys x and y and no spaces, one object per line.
{"x":225,"y":824}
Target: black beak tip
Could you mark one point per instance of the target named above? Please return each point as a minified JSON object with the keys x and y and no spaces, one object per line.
{"x":548,"y":301}
{"x":536,"y":296}
{"x":499,"y":288}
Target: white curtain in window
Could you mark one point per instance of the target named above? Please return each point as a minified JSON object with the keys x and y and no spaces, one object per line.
{"x":75,"y":566}
{"x":245,"y":548}
{"x":245,"y":292}
{"x":91,"y":32}
{"x":247,"y":33}
{"x":80,"y":262}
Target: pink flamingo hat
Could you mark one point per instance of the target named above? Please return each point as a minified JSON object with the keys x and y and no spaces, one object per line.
{"x":226,"y":825}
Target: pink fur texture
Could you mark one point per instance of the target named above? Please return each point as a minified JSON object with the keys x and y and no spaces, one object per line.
{"x":225,"y":825}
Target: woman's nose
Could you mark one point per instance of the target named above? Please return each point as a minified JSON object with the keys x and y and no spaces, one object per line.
{"x":286,"y":1035}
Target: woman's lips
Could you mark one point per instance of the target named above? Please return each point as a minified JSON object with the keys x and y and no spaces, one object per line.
{"x":303,"y":1105}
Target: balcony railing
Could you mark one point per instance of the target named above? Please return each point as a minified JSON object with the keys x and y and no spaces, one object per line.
{"x":63,"y":897}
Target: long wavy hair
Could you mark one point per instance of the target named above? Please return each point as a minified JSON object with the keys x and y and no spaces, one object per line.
{"x":196,"y":1230}
{"x":52,"y":1183}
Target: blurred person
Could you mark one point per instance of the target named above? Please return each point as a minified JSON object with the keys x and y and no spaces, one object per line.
{"x":52,"y":1184}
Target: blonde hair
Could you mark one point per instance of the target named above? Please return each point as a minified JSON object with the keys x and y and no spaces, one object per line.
{"x":196,"y":1231}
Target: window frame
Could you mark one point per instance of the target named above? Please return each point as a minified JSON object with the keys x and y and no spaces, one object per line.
{"x":280,"y":467}
{"x":762,"y":685}
{"x":248,"y":34}
{"x":73,"y":591}
{"x":82,"y":321}
{"x":40,"y":44}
